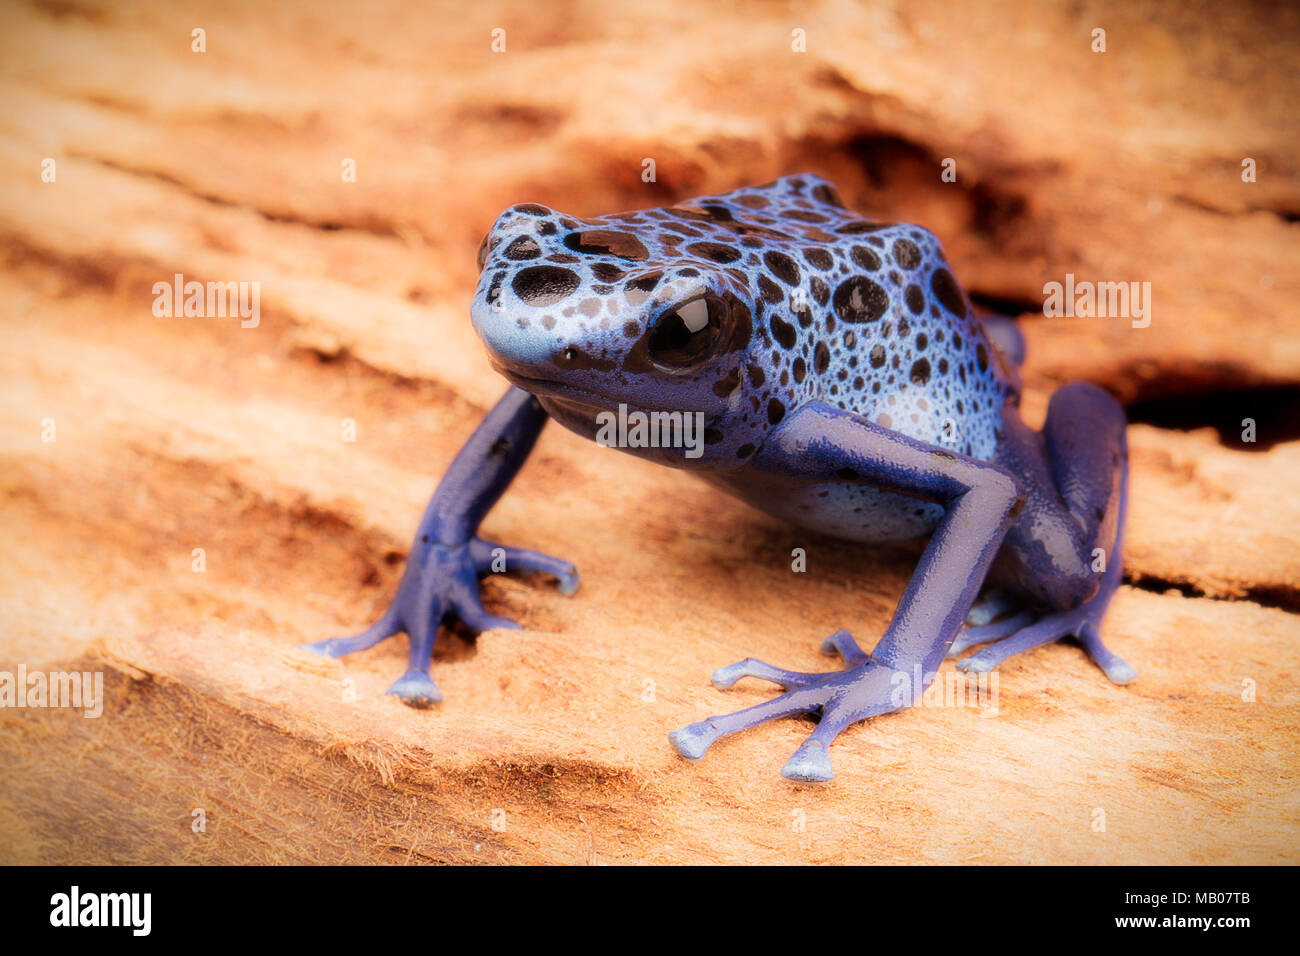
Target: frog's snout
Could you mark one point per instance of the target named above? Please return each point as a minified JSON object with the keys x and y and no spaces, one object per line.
{"x":524,"y":306}
{"x":514,"y":339}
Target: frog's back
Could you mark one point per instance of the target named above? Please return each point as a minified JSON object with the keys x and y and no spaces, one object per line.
{"x":864,"y":316}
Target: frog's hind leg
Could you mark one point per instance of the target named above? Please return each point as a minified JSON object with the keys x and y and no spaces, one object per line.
{"x":1067,"y":544}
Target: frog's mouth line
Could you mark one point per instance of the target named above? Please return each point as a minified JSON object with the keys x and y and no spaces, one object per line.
{"x":574,"y":396}
{"x":546,"y":388}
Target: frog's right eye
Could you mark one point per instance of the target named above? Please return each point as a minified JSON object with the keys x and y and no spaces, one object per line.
{"x":684,"y":336}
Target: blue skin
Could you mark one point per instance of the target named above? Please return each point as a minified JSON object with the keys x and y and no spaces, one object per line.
{"x":845,"y":385}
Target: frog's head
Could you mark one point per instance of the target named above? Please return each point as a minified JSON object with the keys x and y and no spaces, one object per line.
{"x":596,"y":314}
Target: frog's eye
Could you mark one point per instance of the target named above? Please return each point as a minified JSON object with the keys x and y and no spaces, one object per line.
{"x":482,"y":252}
{"x":684,"y":336}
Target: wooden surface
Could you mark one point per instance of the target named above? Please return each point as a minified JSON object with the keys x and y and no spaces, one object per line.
{"x":184,"y":433}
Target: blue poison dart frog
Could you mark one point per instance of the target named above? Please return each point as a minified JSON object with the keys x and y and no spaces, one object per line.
{"x":844,"y":385}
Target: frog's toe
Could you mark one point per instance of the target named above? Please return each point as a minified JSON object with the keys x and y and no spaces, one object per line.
{"x":843,"y":644}
{"x":478,"y":619}
{"x":1043,"y":631}
{"x":1114,"y":666}
{"x":468,"y":606}
{"x":969,"y":637}
{"x":417,"y":689}
{"x":385,"y":627}
{"x":725,"y":677}
{"x":492,"y":557}
{"x":995,"y":604}
{"x":694,"y":739}
{"x":811,"y":763}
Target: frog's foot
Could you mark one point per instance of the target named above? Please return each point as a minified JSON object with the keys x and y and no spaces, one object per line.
{"x":863,"y":689}
{"x":441,"y":582}
{"x":1025,"y":630}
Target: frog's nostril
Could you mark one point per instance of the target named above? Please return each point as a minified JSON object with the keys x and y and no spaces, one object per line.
{"x":572,"y":357}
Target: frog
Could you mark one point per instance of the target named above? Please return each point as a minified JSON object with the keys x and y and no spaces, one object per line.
{"x":845,"y":384}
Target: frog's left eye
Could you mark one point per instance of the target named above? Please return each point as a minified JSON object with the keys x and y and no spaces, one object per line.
{"x":685,"y":336}
{"x":482,"y":252}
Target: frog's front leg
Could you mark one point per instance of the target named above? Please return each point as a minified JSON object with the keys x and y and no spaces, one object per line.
{"x":447,"y":557}
{"x":818,"y":443}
